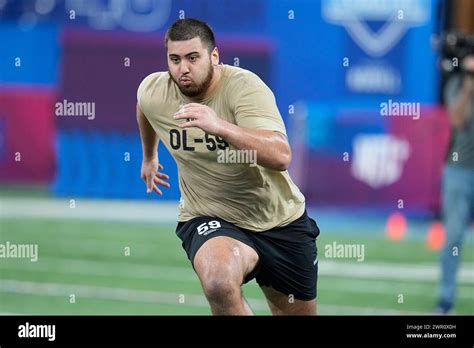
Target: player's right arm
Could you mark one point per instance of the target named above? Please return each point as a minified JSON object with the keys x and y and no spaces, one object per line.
{"x":150,"y":166}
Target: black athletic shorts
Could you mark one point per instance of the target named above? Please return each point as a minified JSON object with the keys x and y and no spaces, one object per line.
{"x":288,"y":259}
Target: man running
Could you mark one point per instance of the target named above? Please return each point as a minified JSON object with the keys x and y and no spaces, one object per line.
{"x":238,"y":220}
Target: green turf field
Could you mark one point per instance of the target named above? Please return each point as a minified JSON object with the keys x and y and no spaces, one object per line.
{"x":88,"y":259}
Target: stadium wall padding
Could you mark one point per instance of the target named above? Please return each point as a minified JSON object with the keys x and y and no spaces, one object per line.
{"x":364,"y":159}
{"x":27,"y":133}
{"x":106,"y":165}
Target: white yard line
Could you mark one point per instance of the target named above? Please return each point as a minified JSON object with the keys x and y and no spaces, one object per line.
{"x":360,"y":270}
{"x":352,"y":283}
{"x":102,"y":210}
{"x":105,"y":268}
{"x":134,"y":295}
{"x":384,"y":270}
{"x":419,"y":271}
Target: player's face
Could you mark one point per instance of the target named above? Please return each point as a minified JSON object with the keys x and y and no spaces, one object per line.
{"x":191,"y":66}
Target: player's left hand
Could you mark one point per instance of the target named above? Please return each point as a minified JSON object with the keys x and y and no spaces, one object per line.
{"x":201,"y":116}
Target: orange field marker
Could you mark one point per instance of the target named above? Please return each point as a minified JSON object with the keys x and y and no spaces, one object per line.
{"x":396,"y":227}
{"x":436,"y":236}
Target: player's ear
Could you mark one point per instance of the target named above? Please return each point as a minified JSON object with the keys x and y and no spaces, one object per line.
{"x":215,"y":56}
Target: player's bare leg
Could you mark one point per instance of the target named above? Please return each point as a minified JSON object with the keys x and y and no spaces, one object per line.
{"x":281,"y":304}
{"x":221,"y":264}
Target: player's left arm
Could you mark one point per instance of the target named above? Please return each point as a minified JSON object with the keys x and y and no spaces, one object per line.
{"x":273,"y":150}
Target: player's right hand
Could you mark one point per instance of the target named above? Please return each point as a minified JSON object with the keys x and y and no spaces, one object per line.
{"x":152,"y":177}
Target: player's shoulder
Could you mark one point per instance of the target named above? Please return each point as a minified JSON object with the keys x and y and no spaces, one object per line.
{"x":240,"y":78}
{"x":153,"y":80}
{"x":152,"y":85}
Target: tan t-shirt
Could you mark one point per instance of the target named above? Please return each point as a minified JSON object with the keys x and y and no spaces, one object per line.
{"x":245,"y":194}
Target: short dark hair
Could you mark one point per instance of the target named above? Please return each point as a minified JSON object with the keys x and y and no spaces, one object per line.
{"x":189,"y":28}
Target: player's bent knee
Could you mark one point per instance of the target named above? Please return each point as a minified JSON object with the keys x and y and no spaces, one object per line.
{"x":220,"y":279}
{"x":220,"y":289}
